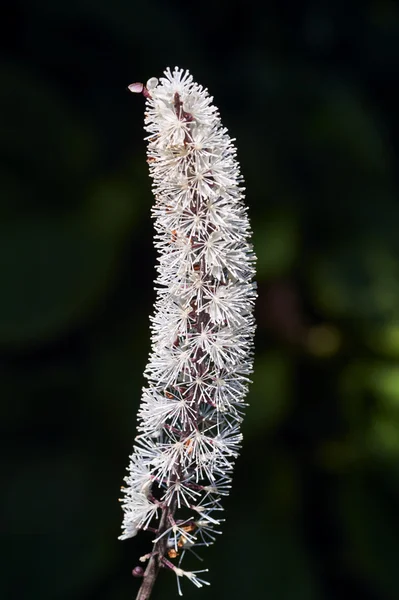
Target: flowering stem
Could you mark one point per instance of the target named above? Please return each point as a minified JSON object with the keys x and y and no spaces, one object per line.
{"x":202,"y":330}
{"x":199,"y":319}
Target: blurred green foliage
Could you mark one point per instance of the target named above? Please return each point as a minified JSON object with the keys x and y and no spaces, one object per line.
{"x":308,"y":89}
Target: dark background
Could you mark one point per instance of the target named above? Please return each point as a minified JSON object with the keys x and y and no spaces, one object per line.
{"x":308,"y":90}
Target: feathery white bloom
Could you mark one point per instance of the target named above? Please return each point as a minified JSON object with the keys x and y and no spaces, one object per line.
{"x":202,"y":328}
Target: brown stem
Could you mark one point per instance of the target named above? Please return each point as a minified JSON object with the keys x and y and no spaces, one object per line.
{"x":158,"y":551}
{"x":149,"y":578}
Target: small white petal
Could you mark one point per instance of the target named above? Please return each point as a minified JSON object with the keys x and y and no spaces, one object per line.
{"x":152,"y":83}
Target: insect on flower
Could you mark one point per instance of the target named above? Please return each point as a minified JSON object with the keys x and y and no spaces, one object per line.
{"x":202,"y":330}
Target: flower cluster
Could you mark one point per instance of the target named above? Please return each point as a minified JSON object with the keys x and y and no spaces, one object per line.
{"x":202,"y":327}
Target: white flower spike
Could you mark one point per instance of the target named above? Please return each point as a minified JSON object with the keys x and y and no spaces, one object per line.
{"x":202,"y":329}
